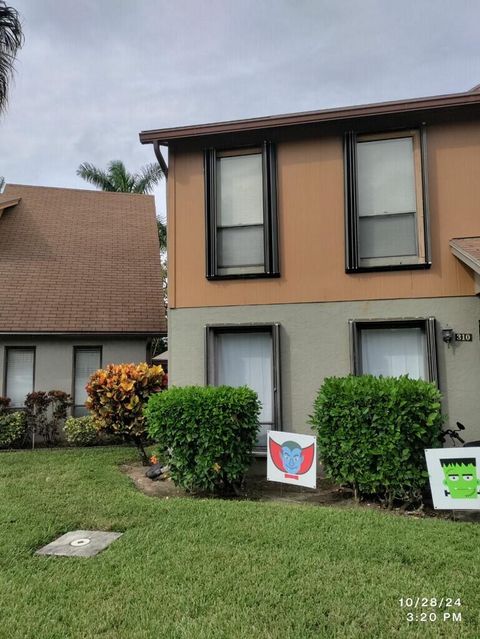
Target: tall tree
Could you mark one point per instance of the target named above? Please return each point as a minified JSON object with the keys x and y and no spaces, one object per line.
{"x":117,"y":178}
{"x":11,"y":39}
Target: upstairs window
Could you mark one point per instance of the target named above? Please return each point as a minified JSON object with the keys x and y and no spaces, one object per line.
{"x":386,"y":218}
{"x":241,"y":217}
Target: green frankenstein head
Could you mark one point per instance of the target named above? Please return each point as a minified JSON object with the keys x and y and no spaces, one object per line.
{"x":460,"y":477}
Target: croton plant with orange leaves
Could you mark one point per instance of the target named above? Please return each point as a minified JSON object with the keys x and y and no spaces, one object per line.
{"x":117,"y":395}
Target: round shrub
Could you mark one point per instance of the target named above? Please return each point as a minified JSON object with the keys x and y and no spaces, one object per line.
{"x":206,"y":434}
{"x":13,"y":429}
{"x":372,"y":432}
{"x":81,"y":431}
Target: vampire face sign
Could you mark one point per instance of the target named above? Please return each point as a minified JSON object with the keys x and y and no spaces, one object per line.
{"x":291,"y":458}
{"x":454,"y":478}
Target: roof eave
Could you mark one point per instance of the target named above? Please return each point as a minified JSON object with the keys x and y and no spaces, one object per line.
{"x":465,"y":257}
{"x":454,"y":100}
{"x":6,"y":204}
{"x":82,"y":333}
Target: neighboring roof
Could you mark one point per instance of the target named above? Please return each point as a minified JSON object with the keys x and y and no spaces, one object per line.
{"x":78,"y":261}
{"x":433,"y":103}
{"x":467,"y":249}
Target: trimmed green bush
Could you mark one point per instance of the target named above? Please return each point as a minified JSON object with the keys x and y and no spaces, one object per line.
{"x":13,"y":429}
{"x":372,"y":431}
{"x":206,"y":434}
{"x":81,"y":431}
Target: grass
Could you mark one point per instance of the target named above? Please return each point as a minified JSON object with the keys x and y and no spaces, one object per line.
{"x":208,"y":569}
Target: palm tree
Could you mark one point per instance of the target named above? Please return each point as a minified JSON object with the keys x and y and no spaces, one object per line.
{"x":117,"y":178}
{"x":11,"y":39}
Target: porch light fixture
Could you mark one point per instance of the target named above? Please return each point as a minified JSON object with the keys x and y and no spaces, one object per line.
{"x":447,"y":335}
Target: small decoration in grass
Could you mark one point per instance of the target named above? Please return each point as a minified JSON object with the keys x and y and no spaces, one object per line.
{"x":156,"y":470}
{"x":80,"y":543}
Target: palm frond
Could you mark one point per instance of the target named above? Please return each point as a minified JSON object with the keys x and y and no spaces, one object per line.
{"x":117,"y":178}
{"x":162,"y":234}
{"x":95,"y":176}
{"x":11,"y":39}
{"x":120,"y":177}
{"x":148,"y":177}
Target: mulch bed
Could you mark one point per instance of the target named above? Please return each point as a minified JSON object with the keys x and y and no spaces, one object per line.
{"x":257,"y":488}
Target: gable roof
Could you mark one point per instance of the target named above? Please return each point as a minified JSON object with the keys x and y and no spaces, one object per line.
{"x":7,"y":202}
{"x":467,"y":249}
{"x":420,"y":107}
{"x":78,"y":261}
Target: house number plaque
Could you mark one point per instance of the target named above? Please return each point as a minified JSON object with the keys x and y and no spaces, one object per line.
{"x":463,"y":337}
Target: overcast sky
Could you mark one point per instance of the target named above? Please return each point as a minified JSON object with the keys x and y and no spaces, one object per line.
{"x":93,"y":73}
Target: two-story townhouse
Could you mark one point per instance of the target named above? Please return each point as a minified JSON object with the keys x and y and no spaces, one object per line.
{"x":325,"y":243}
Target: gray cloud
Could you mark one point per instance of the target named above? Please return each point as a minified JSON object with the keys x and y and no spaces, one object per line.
{"x":93,"y":74}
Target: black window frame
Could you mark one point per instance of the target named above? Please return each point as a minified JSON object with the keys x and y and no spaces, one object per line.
{"x":212,"y":330}
{"x":76,"y":407}
{"x":352,"y":258}
{"x":33,"y":349}
{"x":428,"y":324}
{"x":270,"y":217}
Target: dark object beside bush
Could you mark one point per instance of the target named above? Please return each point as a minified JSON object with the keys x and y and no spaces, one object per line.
{"x":155,"y":471}
{"x":372,"y":432}
{"x":206,"y":434}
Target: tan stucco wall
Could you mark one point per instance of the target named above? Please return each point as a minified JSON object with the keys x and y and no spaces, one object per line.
{"x":311,"y":218}
{"x":315,"y":345}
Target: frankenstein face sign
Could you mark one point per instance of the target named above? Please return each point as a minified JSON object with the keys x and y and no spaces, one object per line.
{"x":460,"y":477}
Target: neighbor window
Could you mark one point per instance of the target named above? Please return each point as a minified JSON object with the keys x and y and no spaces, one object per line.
{"x":391,"y":348}
{"x":20,"y":365}
{"x":385,"y":201}
{"x":87,"y":360}
{"x":241,"y":219}
{"x":248,"y":356}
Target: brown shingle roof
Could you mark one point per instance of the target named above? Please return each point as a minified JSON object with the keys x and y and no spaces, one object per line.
{"x":79,"y":261}
{"x":467,"y":249}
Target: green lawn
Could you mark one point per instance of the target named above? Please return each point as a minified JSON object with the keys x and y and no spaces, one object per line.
{"x":207,"y":569}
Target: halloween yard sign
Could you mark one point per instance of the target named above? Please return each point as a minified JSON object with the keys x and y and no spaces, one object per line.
{"x":292,"y":458}
{"x":454,"y":477}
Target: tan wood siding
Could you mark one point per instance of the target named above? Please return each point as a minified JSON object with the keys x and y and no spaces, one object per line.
{"x":311,"y":221}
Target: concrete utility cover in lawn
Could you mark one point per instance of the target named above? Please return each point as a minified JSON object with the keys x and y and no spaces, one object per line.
{"x":80,"y":543}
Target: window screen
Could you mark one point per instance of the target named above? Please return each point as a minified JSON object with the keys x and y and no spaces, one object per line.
{"x":392,"y":352}
{"x":246,"y":359}
{"x":248,"y":355}
{"x":20,"y":363}
{"x":386,"y":198}
{"x":386,"y":201}
{"x":87,"y":361}
{"x":241,"y":212}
